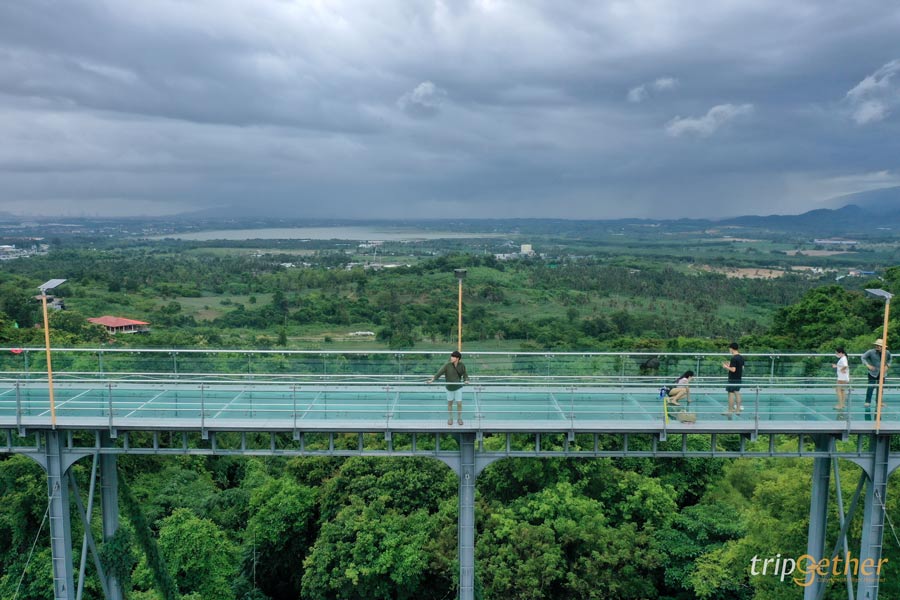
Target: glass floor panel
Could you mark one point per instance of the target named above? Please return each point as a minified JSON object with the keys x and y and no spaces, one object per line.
{"x":518,"y":406}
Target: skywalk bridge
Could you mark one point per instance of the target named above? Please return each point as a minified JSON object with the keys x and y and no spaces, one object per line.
{"x":111,"y":402}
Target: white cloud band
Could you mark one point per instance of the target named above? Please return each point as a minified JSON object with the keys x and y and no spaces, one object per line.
{"x":643,"y":91}
{"x":872,"y":99}
{"x":708,"y":124}
{"x":423,"y":101}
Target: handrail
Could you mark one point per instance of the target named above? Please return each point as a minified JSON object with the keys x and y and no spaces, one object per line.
{"x":317,"y":405}
{"x":547,"y":353}
{"x":198,"y":361}
{"x":537,"y":381}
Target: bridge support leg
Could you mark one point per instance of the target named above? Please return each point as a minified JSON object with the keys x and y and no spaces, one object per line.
{"x":466,"y":537}
{"x":818,"y":512}
{"x":109,"y":503}
{"x":873,"y":521}
{"x":60,"y":521}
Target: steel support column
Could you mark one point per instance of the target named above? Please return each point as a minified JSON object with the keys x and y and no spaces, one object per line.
{"x":60,"y":521}
{"x":109,"y":503}
{"x":842,"y":518}
{"x":818,"y":512}
{"x":466,"y":537}
{"x":873,"y":520}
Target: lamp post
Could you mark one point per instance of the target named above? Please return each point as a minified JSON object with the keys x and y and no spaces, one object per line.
{"x":886,"y":296}
{"x":49,"y":286}
{"x":460,"y":275}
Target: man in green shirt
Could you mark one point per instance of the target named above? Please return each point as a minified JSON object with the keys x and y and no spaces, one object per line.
{"x":454,"y":373}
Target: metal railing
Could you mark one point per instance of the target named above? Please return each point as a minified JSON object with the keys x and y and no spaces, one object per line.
{"x":357,"y":390}
{"x":391,"y":403}
{"x":338,"y":364}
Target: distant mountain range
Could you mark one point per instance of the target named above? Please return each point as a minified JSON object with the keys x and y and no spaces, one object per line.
{"x":879,"y":201}
{"x":862,"y":213}
{"x":865,"y":214}
{"x":850,"y":218}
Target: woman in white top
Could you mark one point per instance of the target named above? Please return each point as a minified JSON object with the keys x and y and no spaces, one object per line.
{"x":843,"y":377}
{"x":681,"y":391}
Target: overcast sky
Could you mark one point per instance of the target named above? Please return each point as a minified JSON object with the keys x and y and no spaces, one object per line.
{"x":417,"y":108}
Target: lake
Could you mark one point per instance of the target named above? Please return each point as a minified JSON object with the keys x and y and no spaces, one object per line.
{"x":325,"y":233}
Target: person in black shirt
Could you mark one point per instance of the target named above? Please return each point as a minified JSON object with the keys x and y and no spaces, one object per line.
{"x":735,"y":368}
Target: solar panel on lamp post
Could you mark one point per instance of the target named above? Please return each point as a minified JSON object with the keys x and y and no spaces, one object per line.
{"x":886,"y":296}
{"x":49,"y":286}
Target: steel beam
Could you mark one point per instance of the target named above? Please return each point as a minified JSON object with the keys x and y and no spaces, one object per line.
{"x":82,"y":448}
{"x":842,"y":518}
{"x":89,"y":536}
{"x":56,"y":453}
{"x":60,"y":521}
{"x":873,"y":520}
{"x":466,"y":538}
{"x":818,"y":512}
{"x":82,"y":567}
{"x":109,"y":504}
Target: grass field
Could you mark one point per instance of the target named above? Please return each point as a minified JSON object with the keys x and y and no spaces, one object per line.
{"x":207,"y":308}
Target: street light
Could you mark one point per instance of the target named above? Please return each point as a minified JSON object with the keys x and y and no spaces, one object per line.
{"x":49,"y":286}
{"x":460,"y":275}
{"x":886,"y":296}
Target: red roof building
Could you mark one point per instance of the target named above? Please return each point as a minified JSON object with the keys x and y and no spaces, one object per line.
{"x":116,"y":325}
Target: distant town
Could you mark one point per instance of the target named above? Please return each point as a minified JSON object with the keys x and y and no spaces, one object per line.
{"x":13,"y":251}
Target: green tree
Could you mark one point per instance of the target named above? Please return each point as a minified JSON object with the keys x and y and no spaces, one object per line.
{"x":183,"y":484}
{"x":769,"y":500}
{"x":369,"y":552}
{"x":76,"y":325}
{"x":824,"y":315}
{"x":19,"y":304}
{"x":23,"y":489}
{"x":558,"y":543}
{"x":199,"y":555}
{"x":279,"y":534}
{"x":406,"y":484}
{"x":697,"y":531}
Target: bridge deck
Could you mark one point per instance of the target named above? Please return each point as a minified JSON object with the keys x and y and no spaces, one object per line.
{"x":298,"y":406}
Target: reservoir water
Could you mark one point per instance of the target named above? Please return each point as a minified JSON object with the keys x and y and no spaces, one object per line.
{"x":384,"y":234}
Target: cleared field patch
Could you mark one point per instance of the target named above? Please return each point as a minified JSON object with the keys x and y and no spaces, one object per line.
{"x":816,"y":252}
{"x":744,"y":272}
{"x":207,"y":308}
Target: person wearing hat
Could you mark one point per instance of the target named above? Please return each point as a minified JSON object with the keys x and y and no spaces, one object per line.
{"x":454,"y":373}
{"x":872,"y":360}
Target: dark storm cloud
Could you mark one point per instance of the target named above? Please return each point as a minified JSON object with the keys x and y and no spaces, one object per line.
{"x":415,"y":109}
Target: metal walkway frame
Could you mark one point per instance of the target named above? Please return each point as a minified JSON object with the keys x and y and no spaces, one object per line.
{"x":467,"y":453}
{"x":102,"y":415}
